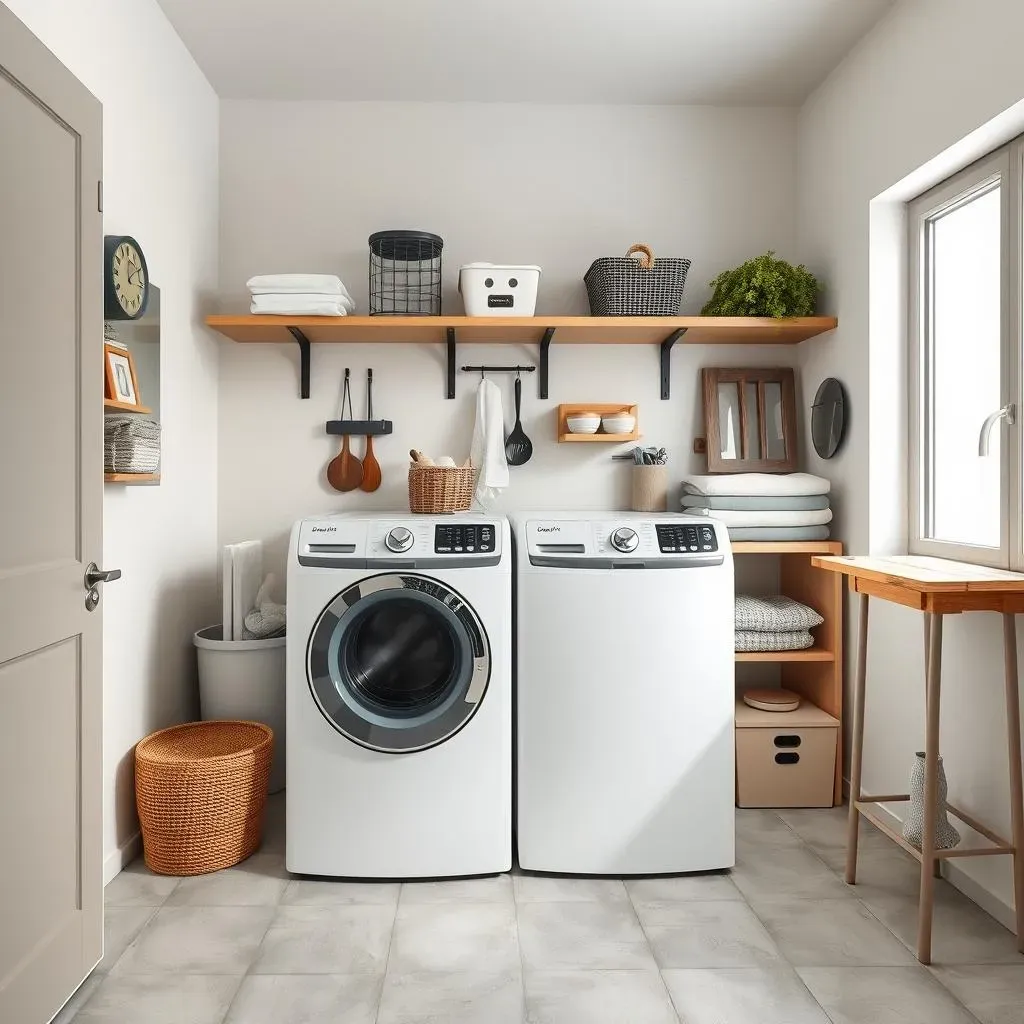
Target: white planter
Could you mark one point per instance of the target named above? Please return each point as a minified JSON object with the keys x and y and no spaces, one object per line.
{"x":244,"y":680}
{"x":492,"y":289}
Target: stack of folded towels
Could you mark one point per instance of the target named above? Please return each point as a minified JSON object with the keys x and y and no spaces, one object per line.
{"x":300,"y":295}
{"x":762,"y":506}
{"x":774,"y":623}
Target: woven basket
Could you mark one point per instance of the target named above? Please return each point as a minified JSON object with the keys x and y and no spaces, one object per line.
{"x":200,"y":790}
{"x":437,"y":490}
{"x":623,"y":286}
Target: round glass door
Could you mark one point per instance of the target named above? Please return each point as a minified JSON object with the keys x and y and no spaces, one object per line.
{"x":398,"y":663}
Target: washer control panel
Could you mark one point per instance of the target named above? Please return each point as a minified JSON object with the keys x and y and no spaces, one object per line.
{"x":467,"y":539}
{"x":675,"y":537}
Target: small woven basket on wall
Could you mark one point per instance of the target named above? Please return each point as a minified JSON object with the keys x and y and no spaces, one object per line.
{"x":201,"y":789}
{"x":437,"y":490}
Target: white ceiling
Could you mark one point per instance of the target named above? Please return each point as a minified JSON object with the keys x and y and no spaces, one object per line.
{"x":547,"y":51}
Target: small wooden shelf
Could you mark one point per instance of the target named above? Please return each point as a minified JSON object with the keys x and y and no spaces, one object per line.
{"x":131,"y":478}
{"x":787,"y":547}
{"x":810,"y":654}
{"x":608,"y":438}
{"x":602,"y":409}
{"x":112,"y":403}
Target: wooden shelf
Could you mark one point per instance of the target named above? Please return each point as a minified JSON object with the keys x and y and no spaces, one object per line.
{"x":131,"y":478}
{"x":609,"y":438}
{"x":810,"y":654}
{"x":787,"y":547}
{"x":602,"y":409}
{"x":112,"y":403}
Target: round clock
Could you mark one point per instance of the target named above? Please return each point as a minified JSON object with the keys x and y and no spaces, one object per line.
{"x":125,"y":278}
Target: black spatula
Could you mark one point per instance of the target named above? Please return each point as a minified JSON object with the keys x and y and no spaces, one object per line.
{"x":518,"y":447}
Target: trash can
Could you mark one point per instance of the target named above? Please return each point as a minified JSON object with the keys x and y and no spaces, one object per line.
{"x":244,"y":680}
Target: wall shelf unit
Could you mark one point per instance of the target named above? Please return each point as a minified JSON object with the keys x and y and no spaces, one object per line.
{"x":810,"y":654}
{"x":664,"y":331}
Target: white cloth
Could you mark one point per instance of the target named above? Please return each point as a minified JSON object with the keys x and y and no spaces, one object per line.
{"x":751,"y":517}
{"x":302,"y":304}
{"x":488,"y":450}
{"x":296,"y":284}
{"x":737,"y":484}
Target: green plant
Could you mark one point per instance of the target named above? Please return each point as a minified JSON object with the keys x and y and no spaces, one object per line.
{"x":763,"y":286}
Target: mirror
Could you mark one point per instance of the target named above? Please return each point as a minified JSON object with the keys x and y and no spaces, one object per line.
{"x":828,"y":418}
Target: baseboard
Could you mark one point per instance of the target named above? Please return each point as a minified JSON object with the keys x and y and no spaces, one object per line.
{"x":115,"y":862}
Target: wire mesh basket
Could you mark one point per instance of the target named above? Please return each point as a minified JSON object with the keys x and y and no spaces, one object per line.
{"x":405,"y":273}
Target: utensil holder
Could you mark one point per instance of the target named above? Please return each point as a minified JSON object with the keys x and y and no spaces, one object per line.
{"x":650,"y":488}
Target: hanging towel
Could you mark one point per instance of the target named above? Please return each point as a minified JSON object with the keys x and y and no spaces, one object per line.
{"x":488,"y":451}
{"x":756,"y":483}
{"x":296,"y":284}
{"x":305,"y":304}
{"x":808,"y":517}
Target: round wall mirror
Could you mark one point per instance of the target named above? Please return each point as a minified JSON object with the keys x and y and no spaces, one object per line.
{"x":828,"y":418}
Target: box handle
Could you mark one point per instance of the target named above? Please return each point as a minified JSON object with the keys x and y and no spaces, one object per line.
{"x":787,"y":741}
{"x":787,"y":758}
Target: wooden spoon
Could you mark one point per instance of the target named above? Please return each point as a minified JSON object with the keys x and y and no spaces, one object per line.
{"x":371,"y":467}
{"x":345,"y":471}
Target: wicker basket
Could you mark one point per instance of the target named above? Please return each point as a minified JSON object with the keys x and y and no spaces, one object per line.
{"x":200,"y":790}
{"x":435,"y":490}
{"x":623,"y":286}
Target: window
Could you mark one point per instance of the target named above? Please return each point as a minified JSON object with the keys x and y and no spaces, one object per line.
{"x":965,"y":374}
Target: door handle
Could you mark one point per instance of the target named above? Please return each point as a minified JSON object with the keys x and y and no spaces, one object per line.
{"x":94,"y":575}
{"x":1008,"y":413}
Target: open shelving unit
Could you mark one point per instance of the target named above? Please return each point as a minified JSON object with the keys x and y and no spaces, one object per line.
{"x":664,"y":331}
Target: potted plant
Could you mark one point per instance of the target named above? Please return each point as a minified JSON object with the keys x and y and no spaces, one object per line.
{"x":764,"y":286}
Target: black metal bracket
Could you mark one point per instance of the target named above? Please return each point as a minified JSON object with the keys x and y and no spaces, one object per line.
{"x":451,"y":363}
{"x":303,"y":341}
{"x":666,"y":361}
{"x":545,"y":344}
{"x":360,"y":428}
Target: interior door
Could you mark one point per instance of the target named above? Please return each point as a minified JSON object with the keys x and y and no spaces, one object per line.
{"x":51,"y":480}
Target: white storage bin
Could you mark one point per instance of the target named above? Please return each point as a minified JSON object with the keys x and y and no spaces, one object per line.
{"x":244,"y":680}
{"x":494,"y":289}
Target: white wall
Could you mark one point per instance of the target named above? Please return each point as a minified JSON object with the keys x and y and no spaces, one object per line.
{"x":932,"y":87}
{"x":160,"y":128}
{"x":304,"y":184}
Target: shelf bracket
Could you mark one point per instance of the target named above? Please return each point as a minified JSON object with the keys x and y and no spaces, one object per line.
{"x":666,"y":361}
{"x":296,"y":333}
{"x":545,"y":344}
{"x":451,"y":363}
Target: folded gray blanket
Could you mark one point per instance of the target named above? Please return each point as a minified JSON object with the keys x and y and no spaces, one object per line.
{"x":751,"y":640}
{"x":760,"y":503}
{"x":774,"y":614}
{"x":778,"y":533}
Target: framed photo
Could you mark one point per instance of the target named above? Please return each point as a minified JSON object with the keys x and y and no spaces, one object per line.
{"x":122,"y":385}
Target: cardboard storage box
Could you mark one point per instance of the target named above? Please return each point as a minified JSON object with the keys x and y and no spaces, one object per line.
{"x":785,"y":759}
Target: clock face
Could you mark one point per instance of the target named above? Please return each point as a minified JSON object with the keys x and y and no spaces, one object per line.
{"x":129,"y":277}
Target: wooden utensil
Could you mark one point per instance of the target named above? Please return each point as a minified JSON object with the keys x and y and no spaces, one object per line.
{"x":371,"y":467}
{"x":518,"y":447}
{"x":345,"y":471}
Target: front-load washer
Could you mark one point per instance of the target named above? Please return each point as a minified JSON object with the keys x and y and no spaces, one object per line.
{"x":625,"y":693}
{"x":399,"y":685}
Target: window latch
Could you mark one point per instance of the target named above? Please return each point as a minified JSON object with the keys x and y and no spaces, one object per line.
{"x":1008,"y":413}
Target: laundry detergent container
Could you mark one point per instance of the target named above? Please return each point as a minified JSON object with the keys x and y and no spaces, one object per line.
{"x":492,"y":289}
{"x":244,"y":680}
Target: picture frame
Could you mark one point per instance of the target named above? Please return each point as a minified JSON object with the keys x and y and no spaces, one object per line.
{"x":750,"y":419}
{"x":121,"y":380}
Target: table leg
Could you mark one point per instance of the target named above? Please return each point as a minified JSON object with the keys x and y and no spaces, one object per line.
{"x":1016,"y":784}
{"x":857,"y":742}
{"x":931,"y":785}
{"x":927,"y":619}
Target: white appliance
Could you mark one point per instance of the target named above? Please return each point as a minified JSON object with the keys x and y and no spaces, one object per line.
{"x":493,"y":289}
{"x":399,"y":696}
{"x":625,"y":693}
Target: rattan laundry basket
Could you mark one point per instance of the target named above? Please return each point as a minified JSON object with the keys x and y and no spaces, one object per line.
{"x":437,"y":490}
{"x":201,"y":789}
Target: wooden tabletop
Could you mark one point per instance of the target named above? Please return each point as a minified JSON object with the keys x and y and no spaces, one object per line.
{"x":930,"y":584}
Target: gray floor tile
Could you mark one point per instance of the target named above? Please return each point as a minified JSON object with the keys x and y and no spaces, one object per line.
{"x":582,"y":935}
{"x":159,"y":999}
{"x":763,"y":827}
{"x":831,"y":933}
{"x":882,"y":995}
{"x":457,"y":937}
{"x":823,"y":829}
{"x":768,"y":872}
{"x":326,"y":940}
{"x":886,"y":872}
{"x":597,"y":997}
{"x":79,"y":999}
{"x":137,"y":886}
{"x":495,"y":889}
{"x":198,"y":940}
{"x":683,"y":889}
{"x":120,"y":927}
{"x":723,"y":934}
{"x":994,"y":993}
{"x":317,"y":892}
{"x":259,"y":881}
{"x":306,"y":999}
{"x":556,"y":889}
{"x":452,"y":998}
{"x":743,"y":995}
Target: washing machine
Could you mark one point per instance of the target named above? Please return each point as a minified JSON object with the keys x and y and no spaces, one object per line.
{"x":625,"y":693}
{"x":399,"y":696}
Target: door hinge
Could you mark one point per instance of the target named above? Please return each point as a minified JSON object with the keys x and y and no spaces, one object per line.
{"x":99,"y":196}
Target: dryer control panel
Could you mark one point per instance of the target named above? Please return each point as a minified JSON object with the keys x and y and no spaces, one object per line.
{"x":675,"y":537}
{"x":466,"y":539}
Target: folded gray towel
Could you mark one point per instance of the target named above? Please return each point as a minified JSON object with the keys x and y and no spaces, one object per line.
{"x":751,"y":640}
{"x":774,"y":614}
{"x":778,"y":533}
{"x":761,"y":503}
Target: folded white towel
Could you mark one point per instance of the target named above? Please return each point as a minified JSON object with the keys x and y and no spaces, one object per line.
{"x":488,"y":451}
{"x":756,"y":483}
{"x":302,"y":304}
{"x":751,"y":517}
{"x":292,"y":284}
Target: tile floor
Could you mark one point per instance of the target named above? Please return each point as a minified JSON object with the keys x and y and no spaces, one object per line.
{"x":780,"y":940}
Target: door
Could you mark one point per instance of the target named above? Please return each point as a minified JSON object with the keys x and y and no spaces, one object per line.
{"x":398,"y":662}
{"x":51,"y":480}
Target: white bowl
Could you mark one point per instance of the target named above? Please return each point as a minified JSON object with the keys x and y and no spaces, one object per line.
{"x":618,"y":423}
{"x":583,"y":424}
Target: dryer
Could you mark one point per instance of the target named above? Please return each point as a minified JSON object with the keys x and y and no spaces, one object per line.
{"x":625,"y":693}
{"x":399,"y":761}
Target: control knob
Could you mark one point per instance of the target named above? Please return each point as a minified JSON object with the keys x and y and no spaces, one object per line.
{"x":625,"y":539}
{"x":399,"y":539}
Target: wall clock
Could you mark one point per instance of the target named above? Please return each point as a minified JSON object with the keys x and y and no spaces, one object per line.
{"x":125,"y":278}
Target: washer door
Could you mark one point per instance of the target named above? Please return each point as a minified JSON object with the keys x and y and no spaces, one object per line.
{"x":398,"y":663}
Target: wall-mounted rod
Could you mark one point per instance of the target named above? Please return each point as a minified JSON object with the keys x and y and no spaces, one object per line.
{"x":498,"y":369}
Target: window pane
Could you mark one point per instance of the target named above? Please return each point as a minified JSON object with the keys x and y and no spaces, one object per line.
{"x":753,"y":421}
{"x":773,"y":420}
{"x":964,"y":371}
{"x":729,"y":420}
